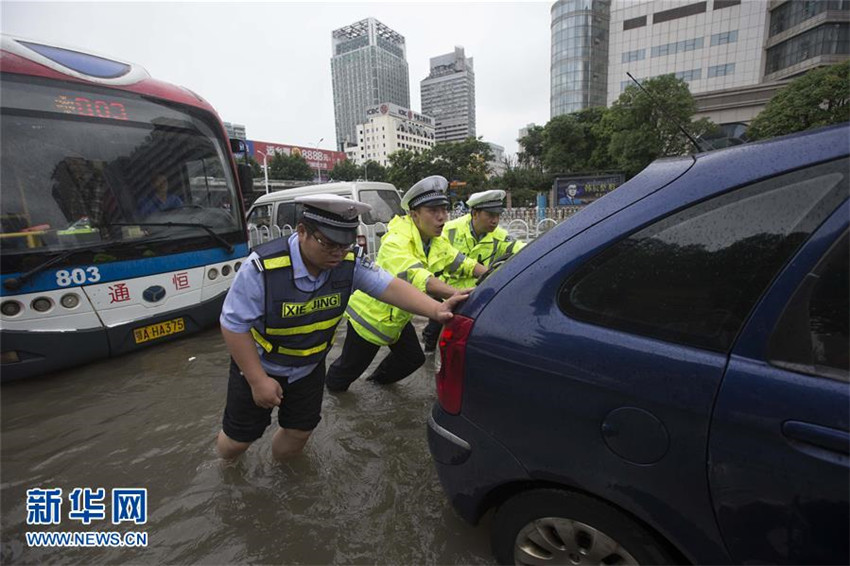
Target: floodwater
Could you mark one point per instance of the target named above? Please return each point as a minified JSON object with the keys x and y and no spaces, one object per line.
{"x":364,"y":492}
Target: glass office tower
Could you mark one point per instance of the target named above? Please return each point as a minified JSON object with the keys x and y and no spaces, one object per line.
{"x":579,"y":68}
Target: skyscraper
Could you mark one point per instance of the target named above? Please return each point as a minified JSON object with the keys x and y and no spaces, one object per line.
{"x":368,"y":67}
{"x":448,"y":94}
{"x":579,"y":67}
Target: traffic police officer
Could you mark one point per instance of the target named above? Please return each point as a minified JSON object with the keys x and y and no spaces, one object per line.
{"x":279,"y":318}
{"x":478,"y":235}
{"x":412,"y":251}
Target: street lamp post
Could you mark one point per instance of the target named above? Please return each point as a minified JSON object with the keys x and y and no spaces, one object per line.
{"x":266,"y":171}
{"x":366,"y":170}
{"x":318,"y":169}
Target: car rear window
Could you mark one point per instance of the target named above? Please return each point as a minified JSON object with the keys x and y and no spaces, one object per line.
{"x":385,"y":205}
{"x":693,"y":277}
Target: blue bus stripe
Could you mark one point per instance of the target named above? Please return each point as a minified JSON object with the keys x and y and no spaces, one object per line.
{"x":129,"y":269}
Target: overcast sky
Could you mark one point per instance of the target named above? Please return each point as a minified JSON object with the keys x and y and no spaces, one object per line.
{"x":267,"y":64}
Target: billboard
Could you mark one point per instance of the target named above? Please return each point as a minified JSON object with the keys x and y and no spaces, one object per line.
{"x":584,"y":189}
{"x":320,"y":159}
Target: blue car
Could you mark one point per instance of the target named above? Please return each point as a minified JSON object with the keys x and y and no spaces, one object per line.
{"x":663,"y":378}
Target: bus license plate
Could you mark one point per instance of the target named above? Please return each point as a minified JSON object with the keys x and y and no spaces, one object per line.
{"x":154,"y":331}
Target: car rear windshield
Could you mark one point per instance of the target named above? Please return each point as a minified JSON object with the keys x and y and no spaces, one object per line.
{"x":693,"y":277}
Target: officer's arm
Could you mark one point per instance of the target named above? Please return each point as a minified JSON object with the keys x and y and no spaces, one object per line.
{"x":407,"y":297}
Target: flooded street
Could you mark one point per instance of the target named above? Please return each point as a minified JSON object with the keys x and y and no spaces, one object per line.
{"x":364,"y":491}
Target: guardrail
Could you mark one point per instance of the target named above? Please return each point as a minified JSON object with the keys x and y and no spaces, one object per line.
{"x":521,"y":224}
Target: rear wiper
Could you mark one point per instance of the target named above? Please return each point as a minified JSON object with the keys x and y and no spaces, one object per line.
{"x":15,"y":283}
{"x":224,"y":243}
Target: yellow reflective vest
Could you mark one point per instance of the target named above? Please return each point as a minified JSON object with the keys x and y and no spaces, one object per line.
{"x":485,"y":251}
{"x":403,"y":255}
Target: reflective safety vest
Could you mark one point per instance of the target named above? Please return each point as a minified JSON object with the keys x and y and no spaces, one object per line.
{"x":485,"y":251}
{"x":298,"y":326}
{"x":403,"y":255}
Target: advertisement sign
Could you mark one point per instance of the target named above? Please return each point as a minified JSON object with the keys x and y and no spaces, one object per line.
{"x":397,"y":111}
{"x":584,"y":189}
{"x":321,"y":159}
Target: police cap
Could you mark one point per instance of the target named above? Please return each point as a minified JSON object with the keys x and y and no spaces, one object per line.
{"x":337,"y":217}
{"x":491,"y":201}
{"x":430,"y":191}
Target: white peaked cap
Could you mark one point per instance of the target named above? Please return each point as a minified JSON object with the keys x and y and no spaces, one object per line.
{"x":430,"y":190}
{"x":337,"y":217}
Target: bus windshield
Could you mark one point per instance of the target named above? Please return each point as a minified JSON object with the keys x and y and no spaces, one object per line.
{"x":85,"y":167}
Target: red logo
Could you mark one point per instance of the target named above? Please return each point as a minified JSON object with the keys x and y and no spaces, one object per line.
{"x":384,"y":109}
{"x":181,"y":280}
{"x":118,"y":293}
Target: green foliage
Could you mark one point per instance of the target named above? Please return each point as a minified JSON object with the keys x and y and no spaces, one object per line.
{"x":373,"y":171}
{"x":643,"y":128}
{"x":345,"y":170}
{"x":574,"y":143}
{"x":290,"y":168}
{"x":818,"y":98}
{"x":531,"y":148}
{"x":464,"y":161}
{"x":256,"y":168}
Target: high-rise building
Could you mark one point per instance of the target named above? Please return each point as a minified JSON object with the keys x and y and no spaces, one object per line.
{"x":733,"y":54}
{"x":368,"y":66}
{"x":448,"y":94}
{"x":579,"y":65}
{"x":803,"y":35}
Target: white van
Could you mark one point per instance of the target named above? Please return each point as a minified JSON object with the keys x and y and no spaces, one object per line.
{"x":276,"y":214}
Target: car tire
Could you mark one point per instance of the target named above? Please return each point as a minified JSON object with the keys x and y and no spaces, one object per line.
{"x":561,"y":527}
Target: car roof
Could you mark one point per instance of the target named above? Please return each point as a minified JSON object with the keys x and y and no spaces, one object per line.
{"x":691,"y":178}
{"x":332,"y":188}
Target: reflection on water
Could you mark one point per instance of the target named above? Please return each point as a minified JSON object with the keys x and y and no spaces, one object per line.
{"x":364,"y":491}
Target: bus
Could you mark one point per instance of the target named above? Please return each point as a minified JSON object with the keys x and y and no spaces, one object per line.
{"x":121,"y":217}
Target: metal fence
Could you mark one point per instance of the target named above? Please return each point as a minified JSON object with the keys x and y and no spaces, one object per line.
{"x":521,"y":223}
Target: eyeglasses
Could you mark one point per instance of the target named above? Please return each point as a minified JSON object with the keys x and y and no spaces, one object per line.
{"x":332,"y":247}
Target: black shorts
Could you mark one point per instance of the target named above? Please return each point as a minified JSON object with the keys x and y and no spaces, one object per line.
{"x":300,"y":408}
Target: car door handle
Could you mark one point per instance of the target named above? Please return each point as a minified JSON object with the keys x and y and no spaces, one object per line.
{"x":821,"y":436}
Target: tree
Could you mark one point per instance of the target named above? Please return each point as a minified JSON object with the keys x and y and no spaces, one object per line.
{"x":345,"y":170}
{"x":373,"y":171}
{"x":818,"y":98}
{"x":531,"y":148}
{"x":642,"y":128}
{"x":575,"y":143}
{"x":256,"y":168}
{"x":290,"y":168}
{"x":407,"y":167}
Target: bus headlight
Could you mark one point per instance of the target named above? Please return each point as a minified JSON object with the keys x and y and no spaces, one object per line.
{"x":237,"y":266}
{"x":225,"y":270}
{"x":11,"y":308}
{"x":70,"y":301}
{"x":41,"y":304}
{"x":212,"y":273}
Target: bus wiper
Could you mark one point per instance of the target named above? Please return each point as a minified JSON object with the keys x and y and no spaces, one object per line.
{"x":15,"y":283}
{"x":224,"y":243}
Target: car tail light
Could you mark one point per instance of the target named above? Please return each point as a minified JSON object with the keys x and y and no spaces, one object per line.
{"x":453,"y":363}
{"x":361,"y":241}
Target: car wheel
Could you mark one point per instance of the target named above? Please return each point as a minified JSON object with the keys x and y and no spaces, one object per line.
{"x":560,"y":527}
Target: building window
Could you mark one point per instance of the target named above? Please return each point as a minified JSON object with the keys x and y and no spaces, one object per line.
{"x":720,"y":4}
{"x":676,"y":13}
{"x":634,"y":23}
{"x":636,"y":55}
{"x":692,"y":75}
{"x":677,"y":47}
{"x":724,"y":38}
{"x":721,"y":70}
{"x":828,"y":39}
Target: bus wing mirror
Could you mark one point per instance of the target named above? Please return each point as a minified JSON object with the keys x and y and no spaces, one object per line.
{"x":238,"y":146}
{"x":246,"y":178}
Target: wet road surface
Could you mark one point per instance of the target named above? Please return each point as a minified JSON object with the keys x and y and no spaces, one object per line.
{"x":364,"y":492}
